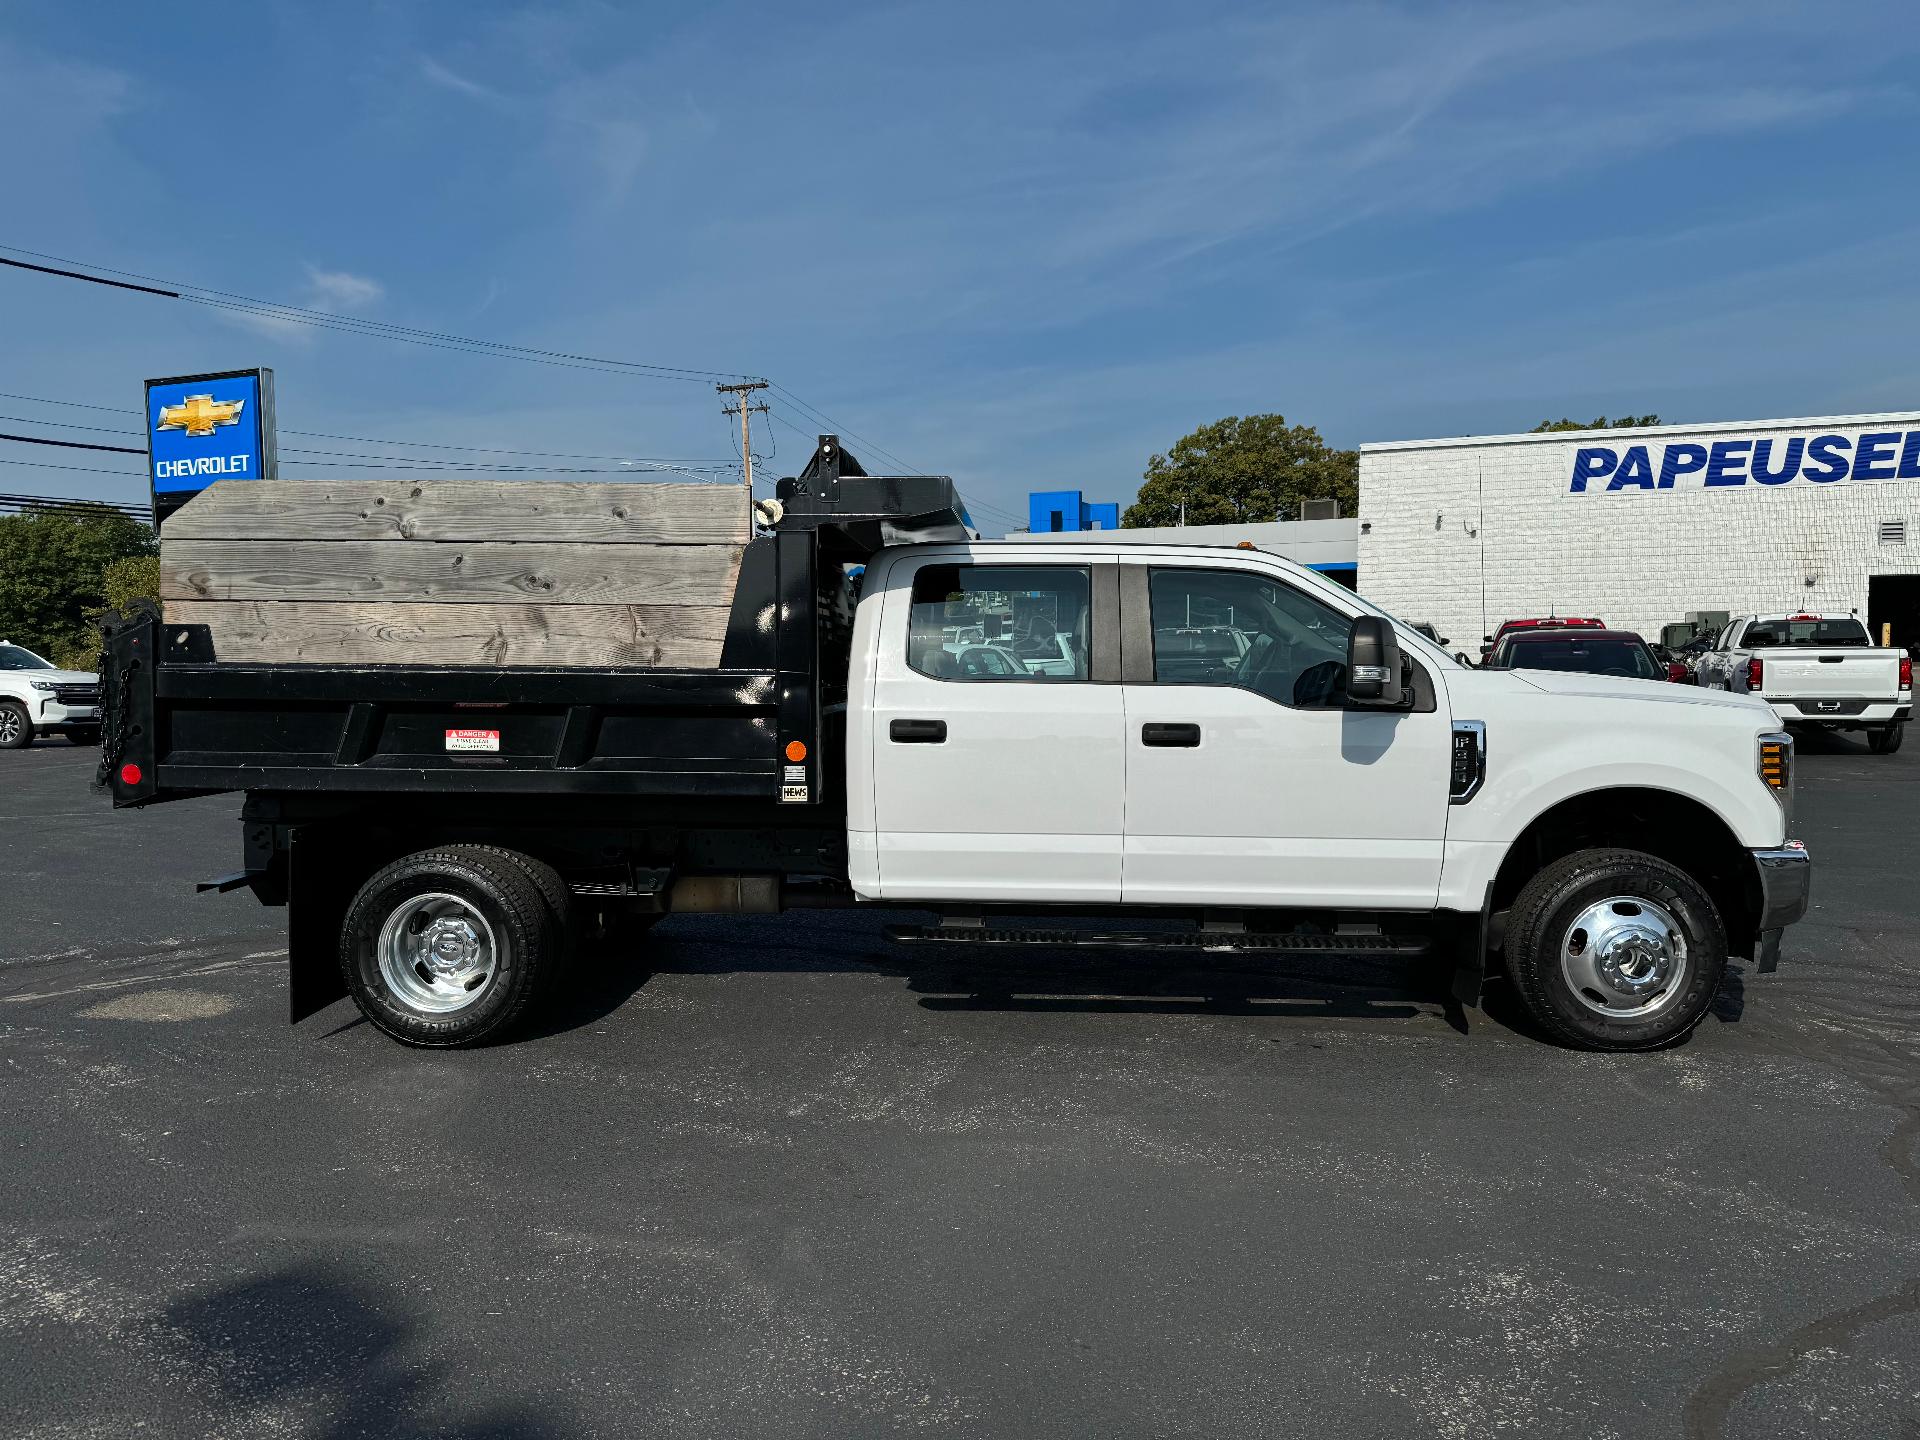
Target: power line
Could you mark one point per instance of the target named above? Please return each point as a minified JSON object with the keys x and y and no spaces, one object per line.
{"x":325,"y":319}
{"x":991,"y":511}
{"x":71,"y":404}
{"x":24,"y":504}
{"x":95,"y":279}
{"x":90,"y":469}
{"x":358,"y":440}
{"x":70,"y":444}
{"x":837,"y":428}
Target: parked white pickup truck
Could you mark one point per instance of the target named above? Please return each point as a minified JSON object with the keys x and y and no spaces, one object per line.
{"x":1816,"y":670}
{"x":1225,"y":752}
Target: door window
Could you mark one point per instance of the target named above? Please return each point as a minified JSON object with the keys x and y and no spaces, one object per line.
{"x":1232,"y":627}
{"x":1000,"y":622}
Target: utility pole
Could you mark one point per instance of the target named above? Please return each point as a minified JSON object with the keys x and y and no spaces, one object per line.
{"x":745,"y":411}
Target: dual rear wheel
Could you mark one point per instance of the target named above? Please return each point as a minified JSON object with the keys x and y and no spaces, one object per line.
{"x":454,"y":946}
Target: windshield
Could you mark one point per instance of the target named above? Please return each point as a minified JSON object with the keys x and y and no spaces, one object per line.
{"x":1807,"y":632}
{"x":12,"y":657}
{"x":1584,"y":655}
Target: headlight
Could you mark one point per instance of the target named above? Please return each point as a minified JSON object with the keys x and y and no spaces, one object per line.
{"x":43,"y":685}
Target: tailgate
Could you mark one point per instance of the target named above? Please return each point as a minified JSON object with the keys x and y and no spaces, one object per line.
{"x":1829,"y":674}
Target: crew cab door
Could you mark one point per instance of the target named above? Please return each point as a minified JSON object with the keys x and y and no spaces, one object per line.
{"x":995,"y":730}
{"x":1249,"y":780}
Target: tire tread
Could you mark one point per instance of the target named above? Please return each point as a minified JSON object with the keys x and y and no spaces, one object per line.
{"x":1546,"y":892}
{"x":507,"y":873}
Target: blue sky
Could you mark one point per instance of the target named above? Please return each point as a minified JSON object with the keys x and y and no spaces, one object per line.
{"x":1028,"y":245}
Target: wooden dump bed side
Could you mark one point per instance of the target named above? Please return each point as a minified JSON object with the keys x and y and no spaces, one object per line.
{"x":544,"y":574}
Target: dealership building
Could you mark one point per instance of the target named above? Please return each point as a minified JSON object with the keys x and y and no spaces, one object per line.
{"x":1640,"y":527}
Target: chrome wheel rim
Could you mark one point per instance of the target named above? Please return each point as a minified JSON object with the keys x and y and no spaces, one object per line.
{"x":437,"y":953}
{"x":1625,"y":957}
{"x":9,"y":727}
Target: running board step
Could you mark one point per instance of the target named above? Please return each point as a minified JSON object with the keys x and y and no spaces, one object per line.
{"x":1211,"y":942}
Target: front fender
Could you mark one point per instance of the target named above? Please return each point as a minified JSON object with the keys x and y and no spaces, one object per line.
{"x":1540,"y":755}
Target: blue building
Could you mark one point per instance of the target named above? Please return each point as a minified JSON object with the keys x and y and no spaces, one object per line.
{"x":1050,"y":512}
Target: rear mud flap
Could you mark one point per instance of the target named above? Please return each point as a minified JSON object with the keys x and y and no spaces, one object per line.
{"x":318,"y":892}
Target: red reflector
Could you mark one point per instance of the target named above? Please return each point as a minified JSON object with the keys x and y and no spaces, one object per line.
{"x":130,"y":774}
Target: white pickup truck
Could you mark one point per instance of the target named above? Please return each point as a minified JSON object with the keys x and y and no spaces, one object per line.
{"x":1231,"y":754}
{"x":1816,"y":670}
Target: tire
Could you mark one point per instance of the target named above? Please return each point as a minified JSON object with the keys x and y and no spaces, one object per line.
{"x":16,"y":726}
{"x":1886,"y":739}
{"x":498,"y":949}
{"x":83,"y":737}
{"x":1615,"y":950}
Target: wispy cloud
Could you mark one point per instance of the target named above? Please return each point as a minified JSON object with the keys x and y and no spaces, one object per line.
{"x":436,"y":73}
{"x":342,"y":290}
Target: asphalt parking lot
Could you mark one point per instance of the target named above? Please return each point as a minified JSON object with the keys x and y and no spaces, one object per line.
{"x":780,"y":1178}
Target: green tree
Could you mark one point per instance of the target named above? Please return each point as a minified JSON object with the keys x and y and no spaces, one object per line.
{"x":1599,"y":422}
{"x":1244,"y":469}
{"x":53,"y":576}
{"x":129,"y":579}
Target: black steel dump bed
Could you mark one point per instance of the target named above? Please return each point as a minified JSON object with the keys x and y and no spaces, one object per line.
{"x":761,"y":725}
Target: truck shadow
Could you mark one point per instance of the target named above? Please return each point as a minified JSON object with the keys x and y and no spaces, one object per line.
{"x":1056,"y":980}
{"x":1038,"y":979}
{"x":336,"y":1350}
{"x":1815,"y":741}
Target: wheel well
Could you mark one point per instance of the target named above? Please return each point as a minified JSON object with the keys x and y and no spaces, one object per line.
{"x":1676,"y":828}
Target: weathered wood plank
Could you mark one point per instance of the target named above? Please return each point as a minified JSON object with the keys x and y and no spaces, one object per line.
{"x":448,"y":572}
{"x":620,"y":513}
{"x":296,"y":632}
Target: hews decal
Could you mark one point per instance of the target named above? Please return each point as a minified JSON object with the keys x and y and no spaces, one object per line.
{"x":1771,"y":460}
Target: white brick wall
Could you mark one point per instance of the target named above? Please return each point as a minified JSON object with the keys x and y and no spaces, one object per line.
{"x":1467,"y":533}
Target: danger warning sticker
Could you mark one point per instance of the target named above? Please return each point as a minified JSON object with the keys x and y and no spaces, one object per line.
{"x":473,"y":740}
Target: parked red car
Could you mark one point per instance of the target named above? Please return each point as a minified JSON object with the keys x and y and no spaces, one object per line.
{"x":1550,"y":622}
{"x":1584,"y":650}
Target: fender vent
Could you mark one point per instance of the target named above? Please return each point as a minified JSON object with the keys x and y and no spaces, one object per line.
{"x":1893,"y":532}
{"x":1469,"y":770}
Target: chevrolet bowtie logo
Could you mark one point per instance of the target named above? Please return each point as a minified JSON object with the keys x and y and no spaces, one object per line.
{"x":198,"y":414}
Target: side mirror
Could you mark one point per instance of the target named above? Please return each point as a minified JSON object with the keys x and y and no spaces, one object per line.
{"x":1373,"y":664}
{"x":1461,"y":656}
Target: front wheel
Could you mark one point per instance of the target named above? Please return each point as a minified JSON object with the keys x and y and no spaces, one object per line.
{"x":451,"y":946}
{"x":16,"y":727}
{"x":1886,"y":739}
{"x":1615,"y":950}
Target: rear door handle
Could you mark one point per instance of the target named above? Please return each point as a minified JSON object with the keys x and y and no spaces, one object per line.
{"x":917,"y":732}
{"x":1170,"y":736}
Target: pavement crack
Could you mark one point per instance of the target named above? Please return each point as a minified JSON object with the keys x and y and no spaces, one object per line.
{"x":1707,"y":1409}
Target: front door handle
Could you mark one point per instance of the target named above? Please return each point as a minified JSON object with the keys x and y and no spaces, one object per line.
{"x":1171,"y":736}
{"x":917,"y":732}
